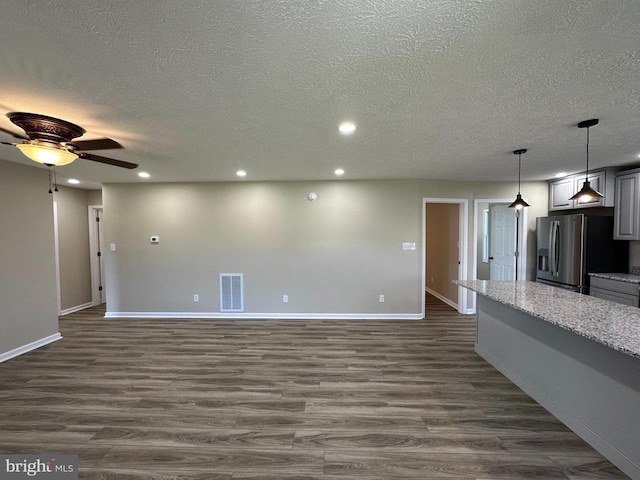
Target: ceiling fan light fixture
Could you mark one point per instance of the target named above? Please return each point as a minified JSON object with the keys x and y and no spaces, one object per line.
{"x":46,"y":154}
{"x":519,"y":203}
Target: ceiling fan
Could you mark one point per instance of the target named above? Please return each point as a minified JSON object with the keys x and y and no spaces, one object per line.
{"x":49,"y":141}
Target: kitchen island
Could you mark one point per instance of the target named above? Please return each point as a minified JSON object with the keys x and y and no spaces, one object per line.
{"x":578,"y":356}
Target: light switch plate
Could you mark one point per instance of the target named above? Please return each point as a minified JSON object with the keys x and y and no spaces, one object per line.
{"x":112,"y":247}
{"x":409,"y":246}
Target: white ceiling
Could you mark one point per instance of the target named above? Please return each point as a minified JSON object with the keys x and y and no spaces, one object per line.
{"x":440,"y":89}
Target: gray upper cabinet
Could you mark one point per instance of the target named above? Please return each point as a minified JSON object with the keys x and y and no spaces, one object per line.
{"x":626,"y":224}
{"x":598,"y":181}
{"x":562,"y":189}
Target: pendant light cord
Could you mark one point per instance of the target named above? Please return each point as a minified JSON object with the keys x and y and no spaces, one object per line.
{"x":519,"y":169}
{"x":587,"y":176}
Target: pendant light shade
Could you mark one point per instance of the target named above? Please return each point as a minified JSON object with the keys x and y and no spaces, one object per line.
{"x":519,"y":203}
{"x":587,"y":193}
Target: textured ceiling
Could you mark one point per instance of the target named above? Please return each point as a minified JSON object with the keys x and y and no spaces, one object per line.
{"x":440,"y":89}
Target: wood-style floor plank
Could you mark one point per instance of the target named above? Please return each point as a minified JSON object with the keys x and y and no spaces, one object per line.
{"x":177,"y":399}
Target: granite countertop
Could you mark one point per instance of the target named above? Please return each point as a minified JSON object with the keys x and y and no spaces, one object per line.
{"x":621,"y":277}
{"x":614,"y":325}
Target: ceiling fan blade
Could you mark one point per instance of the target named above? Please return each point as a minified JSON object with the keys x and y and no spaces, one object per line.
{"x":97,"y":144}
{"x":13,"y":134}
{"x":108,"y":161}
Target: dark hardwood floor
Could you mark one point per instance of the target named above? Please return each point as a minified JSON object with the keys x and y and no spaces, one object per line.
{"x":305,"y":400}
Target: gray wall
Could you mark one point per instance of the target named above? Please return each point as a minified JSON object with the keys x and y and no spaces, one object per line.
{"x":28,"y":293}
{"x":73,"y":247}
{"x":94,"y":197}
{"x":334,"y":255}
{"x":634,"y":255}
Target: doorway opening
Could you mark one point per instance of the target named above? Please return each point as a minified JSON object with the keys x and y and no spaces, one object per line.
{"x":444,"y":237}
{"x":500,"y":241}
{"x":96,"y":243}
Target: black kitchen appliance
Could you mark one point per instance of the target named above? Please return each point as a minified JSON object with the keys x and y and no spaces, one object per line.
{"x":569,"y":247}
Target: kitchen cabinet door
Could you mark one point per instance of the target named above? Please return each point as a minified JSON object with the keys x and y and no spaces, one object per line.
{"x":615,"y":291}
{"x":560,"y":192}
{"x":626,"y":224}
{"x":614,"y":296}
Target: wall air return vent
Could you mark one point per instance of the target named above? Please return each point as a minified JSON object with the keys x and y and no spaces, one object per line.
{"x":231,"y":292}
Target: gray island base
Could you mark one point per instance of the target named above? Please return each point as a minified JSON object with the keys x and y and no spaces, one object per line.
{"x":577,"y":356}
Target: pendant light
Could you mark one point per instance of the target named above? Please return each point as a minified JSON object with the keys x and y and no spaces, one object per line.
{"x":586,"y":193}
{"x":519,"y":203}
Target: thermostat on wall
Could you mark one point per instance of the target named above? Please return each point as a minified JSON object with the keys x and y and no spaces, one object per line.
{"x":155,"y":239}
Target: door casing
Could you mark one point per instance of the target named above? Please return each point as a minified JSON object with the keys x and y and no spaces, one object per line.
{"x":522,"y":240}
{"x":96,"y":244}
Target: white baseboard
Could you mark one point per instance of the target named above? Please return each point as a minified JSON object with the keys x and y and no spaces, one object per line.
{"x":77,"y":308}
{"x":29,"y":346}
{"x":269,"y":316}
{"x":442,"y":298}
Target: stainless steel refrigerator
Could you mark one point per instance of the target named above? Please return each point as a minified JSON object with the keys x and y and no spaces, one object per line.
{"x":570,"y":247}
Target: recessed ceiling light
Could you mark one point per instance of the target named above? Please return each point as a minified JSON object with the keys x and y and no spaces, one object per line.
{"x":73,"y":181}
{"x":241,"y":173}
{"x":561,"y":174}
{"x":143,"y":175}
{"x":347,"y":128}
{"x":339,"y":172}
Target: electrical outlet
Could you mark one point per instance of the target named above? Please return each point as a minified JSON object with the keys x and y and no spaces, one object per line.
{"x":196,"y":298}
{"x":381,"y":298}
{"x":635,"y":270}
{"x":285,"y":298}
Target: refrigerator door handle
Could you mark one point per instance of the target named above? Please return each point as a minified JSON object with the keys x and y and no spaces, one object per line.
{"x":556,"y":248}
{"x":552,"y":246}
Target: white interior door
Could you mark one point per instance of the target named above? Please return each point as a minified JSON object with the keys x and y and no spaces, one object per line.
{"x":502,"y":242}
